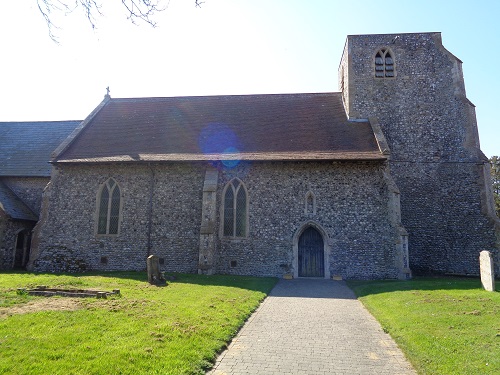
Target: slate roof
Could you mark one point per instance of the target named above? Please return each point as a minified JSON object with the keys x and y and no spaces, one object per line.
{"x":13,"y":206}
{"x":238,"y":127}
{"x":26,"y":147}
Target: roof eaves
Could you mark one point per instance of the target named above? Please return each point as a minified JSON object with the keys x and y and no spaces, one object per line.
{"x":250,"y":156}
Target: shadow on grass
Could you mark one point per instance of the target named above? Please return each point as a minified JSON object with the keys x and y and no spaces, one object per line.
{"x":261,"y":284}
{"x":364,"y":288}
{"x":305,"y":288}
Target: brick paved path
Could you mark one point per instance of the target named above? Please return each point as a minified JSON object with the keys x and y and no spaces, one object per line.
{"x":312,"y":327}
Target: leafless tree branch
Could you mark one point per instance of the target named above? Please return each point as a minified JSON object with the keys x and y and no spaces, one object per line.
{"x":46,"y":8}
{"x":90,"y":7}
{"x":142,"y":10}
{"x":138,"y":10}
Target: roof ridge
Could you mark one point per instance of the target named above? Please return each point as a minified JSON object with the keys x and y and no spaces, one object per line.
{"x":40,"y":122}
{"x":224,"y":96}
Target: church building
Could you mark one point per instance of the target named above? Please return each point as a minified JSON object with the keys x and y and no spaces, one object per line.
{"x":382,"y":179}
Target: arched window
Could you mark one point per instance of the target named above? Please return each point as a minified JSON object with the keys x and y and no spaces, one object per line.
{"x":310,"y":207}
{"x":384,"y":64}
{"x":108,"y":212}
{"x":235,"y":209}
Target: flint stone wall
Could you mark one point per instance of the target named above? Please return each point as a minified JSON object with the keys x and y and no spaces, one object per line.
{"x":352,"y":207}
{"x":66,"y":239}
{"x":431,"y":129}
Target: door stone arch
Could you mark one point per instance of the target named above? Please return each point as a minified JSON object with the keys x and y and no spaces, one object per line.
{"x":311,"y":241}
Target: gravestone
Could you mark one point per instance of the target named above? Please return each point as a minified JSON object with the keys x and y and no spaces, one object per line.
{"x":487,"y":270}
{"x":153,"y":267}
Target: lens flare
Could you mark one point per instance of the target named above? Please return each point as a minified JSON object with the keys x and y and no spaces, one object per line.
{"x":217,"y":138}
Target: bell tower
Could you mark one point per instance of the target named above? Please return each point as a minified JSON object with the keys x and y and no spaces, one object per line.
{"x":415,"y":88}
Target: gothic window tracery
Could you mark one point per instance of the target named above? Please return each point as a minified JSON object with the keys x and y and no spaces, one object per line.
{"x":384,"y":63}
{"x":235,"y":223}
{"x":109,"y":207}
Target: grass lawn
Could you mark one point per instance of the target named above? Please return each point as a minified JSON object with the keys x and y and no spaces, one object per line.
{"x":175,"y":329}
{"x":443,"y":325}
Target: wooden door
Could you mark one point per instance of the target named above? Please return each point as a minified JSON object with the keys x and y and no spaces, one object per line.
{"x":311,"y":254}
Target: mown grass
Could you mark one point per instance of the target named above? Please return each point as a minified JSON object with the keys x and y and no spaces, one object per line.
{"x":443,"y":325}
{"x":175,"y":329}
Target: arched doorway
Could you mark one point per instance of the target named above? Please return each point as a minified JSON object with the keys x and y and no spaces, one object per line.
{"x":22,"y":250}
{"x":311,"y":254}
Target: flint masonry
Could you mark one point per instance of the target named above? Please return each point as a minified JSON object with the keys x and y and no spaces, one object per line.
{"x":378,"y":180}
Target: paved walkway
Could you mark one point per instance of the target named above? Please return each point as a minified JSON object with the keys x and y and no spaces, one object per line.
{"x":312,"y":327}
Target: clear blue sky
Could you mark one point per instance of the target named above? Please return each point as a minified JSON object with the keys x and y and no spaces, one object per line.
{"x":227,"y":47}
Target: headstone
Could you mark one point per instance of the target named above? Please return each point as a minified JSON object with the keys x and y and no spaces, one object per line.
{"x":487,"y":270}
{"x":153,"y":267}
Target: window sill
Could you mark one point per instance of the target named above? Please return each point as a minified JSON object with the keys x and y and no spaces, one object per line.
{"x":234,"y":239}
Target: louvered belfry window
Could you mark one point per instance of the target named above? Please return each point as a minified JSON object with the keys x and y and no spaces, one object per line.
{"x":235,"y":209}
{"x":384,"y":64}
{"x":109,"y":208}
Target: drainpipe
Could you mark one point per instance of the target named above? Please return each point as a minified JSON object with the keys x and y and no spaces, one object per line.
{"x":150,"y":209}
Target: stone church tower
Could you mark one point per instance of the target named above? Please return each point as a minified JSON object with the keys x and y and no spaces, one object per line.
{"x":414,"y":87}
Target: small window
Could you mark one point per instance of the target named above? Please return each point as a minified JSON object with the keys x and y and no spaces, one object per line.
{"x":310,"y":207}
{"x":384,"y":64}
{"x":108,"y":208}
{"x":235,"y":209}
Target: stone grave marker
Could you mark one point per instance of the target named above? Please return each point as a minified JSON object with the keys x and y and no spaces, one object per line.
{"x":487,"y":270}
{"x":153,"y":267}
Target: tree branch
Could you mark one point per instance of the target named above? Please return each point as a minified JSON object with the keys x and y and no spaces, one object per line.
{"x":143,"y":10}
{"x":46,"y":7}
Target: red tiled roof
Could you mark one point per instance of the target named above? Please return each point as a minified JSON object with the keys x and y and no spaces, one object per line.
{"x":243,"y":127}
